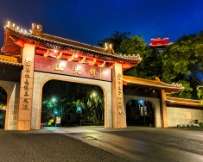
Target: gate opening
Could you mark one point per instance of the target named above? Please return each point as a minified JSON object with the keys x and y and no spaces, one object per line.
{"x":72,"y":104}
{"x":3,"y":103}
{"x":139,"y":113}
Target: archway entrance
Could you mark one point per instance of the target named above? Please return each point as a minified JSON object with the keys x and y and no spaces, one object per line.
{"x":3,"y":103}
{"x":71,"y":104}
{"x":139,"y":113}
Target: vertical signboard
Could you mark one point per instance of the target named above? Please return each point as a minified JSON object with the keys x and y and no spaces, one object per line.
{"x":26,"y":88}
{"x":119,"y":115}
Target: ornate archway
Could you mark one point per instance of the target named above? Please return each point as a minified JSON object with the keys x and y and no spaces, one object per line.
{"x":41,"y":79}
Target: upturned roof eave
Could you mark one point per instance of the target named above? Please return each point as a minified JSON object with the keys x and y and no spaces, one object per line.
{"x":47,"y":43}
{"x":152,"y":83}
{"x":183,"y":101}
{"x":11,"y":63}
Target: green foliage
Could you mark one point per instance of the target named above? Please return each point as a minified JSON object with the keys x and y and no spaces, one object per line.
{"x":133,"y":45}
{"x":187,"y":90}
{"x":115,"y":39}
{"x":151,"y":65}
{"x":68,"y":97}
{"x":3,"y":97}
{"x":181,"y":62}
{"x":200,"y":93}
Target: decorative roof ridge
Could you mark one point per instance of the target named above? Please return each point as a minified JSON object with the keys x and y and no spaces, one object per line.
{"x":8,"y":58}
{"x":183,"y":101}
{"x":72,"y":41}
{"x":180,"y":99}
{"x":12,"y":63}
{"x":41,"y":36}
{"x":156,"y":81}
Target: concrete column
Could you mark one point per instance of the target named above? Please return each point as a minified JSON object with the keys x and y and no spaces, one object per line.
{"x":26,"y":88}
{"x":119,"y":114}
{"x":164,"y":116}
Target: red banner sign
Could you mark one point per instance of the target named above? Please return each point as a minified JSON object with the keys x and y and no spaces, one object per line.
{"x":64,"y":67}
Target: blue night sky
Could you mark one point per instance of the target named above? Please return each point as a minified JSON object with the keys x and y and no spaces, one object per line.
{"x":89,"y":21}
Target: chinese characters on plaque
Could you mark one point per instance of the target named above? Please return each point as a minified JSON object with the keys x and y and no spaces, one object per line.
{"x":93,"y":71}
{"x":28,"y":62}
{"x":119,"y":81}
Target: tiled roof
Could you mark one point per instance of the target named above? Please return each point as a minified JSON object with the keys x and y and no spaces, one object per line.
{"x":9,"y":60}
{"x":157,"y":84}
{"x":53,"y":42}
{"x":183,"y":101}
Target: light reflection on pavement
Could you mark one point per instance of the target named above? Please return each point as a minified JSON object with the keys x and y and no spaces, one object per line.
{"x":128,"y":148}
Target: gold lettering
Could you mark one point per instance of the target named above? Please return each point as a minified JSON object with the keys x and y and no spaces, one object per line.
{"x":25,"y":87}
{"x":120,"y":111}
{"x":27,"y":76}
{"x":26,"y":93}
{"x":27,"y":70}
{"x":76,"y":70}
{"x":93,"y":71}
{"x":119,"y":76}
{"x":26,"y":82}
{"x":58,"y":68}
{"x":25,"y":103}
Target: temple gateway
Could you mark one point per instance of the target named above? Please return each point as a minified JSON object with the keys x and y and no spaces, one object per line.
{"x":31,"y":58}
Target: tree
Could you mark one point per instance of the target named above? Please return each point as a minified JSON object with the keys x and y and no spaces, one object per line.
{"x":115,"y":39}
{"x":71,"y":96}
{"x":150,"y":58}
{"x":200,"y":93}
{"x":3,"y":97}
{"x":181,"y":62}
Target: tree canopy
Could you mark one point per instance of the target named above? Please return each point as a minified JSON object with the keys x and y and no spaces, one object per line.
{"x":116,"y":38}
{"x":181,"y":62}
{"x":72,"y":102}
{"x":3,"y":97}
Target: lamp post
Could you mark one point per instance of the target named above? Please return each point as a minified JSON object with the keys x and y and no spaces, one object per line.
{"x":55,"y":111}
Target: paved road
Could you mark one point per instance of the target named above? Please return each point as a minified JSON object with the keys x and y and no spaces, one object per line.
{"x":99,"y":144}
{"x":45,"y":146}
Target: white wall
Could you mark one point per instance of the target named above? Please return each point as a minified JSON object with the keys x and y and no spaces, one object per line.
{"x":12,"y":89}
{"x":177,"y":115}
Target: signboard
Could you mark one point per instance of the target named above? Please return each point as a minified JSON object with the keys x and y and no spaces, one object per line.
{"x":53,"y":65}
{"x":58,"y":120}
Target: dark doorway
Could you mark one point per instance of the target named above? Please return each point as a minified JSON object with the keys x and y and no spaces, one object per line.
{"x":139,"y":113}
{"x":3,"y":103}
{"x":72,"y":104}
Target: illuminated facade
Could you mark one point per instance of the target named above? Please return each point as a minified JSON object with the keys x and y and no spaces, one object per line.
{"x":35,"y":58}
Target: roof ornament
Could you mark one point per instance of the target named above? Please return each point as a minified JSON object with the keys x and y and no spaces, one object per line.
{"x":177,"y":84}
{"x":36,"y":29}
{"x":13,"y":26}
{"x":109,"y":48}
{"x":158,"y":42}
{"x":157,"y":79}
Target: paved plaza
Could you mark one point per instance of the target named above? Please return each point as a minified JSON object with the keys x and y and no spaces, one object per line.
{"x":97,"y":144}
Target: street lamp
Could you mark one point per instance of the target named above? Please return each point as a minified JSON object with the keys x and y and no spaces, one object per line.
{"x":53,"y":99}
{"x":142,"y":108}
{"x":94,"y":94}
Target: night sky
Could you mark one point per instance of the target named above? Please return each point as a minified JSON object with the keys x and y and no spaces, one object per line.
{"x":89,"y":21}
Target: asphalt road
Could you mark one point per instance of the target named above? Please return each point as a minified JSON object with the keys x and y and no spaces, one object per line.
{"x":94,"y":144}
